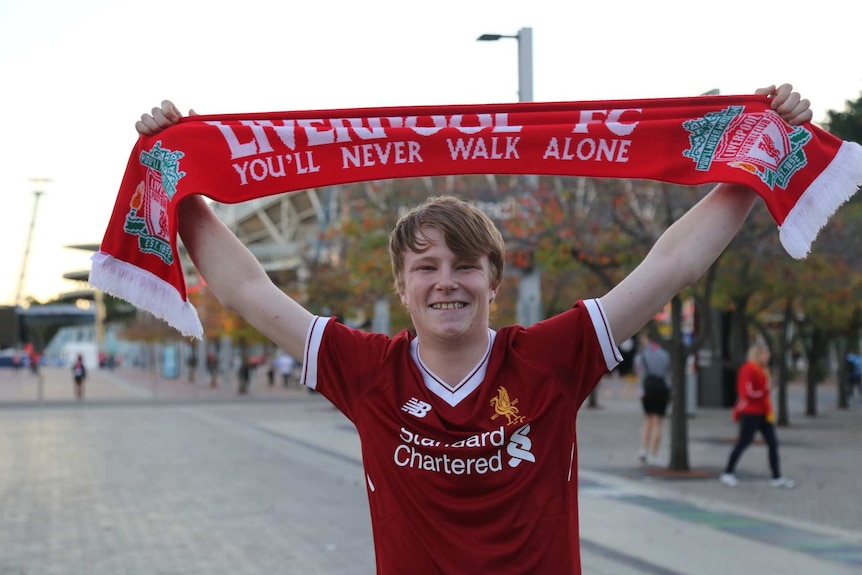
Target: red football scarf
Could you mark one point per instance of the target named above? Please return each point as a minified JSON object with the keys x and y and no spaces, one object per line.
{"x":803,"y":173}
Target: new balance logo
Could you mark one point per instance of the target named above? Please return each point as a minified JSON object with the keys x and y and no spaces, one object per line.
{"x":416,"y":407}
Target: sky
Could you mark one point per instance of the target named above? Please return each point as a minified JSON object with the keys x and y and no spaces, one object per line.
{"x":75,"y":76}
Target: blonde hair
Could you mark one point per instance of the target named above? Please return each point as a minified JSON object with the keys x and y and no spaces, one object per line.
{"x":756,"y":350}
{"x":468,"y":232}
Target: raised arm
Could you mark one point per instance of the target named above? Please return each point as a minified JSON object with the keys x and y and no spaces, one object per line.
{"x":229,"y":268}
{"x":688,"y":247}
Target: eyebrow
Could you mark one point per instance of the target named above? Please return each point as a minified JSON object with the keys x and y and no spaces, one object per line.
{"x":424,"y":258}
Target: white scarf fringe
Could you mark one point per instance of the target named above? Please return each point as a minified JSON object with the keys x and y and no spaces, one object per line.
{"x":145,"y":290}
{"x":832,"y":188}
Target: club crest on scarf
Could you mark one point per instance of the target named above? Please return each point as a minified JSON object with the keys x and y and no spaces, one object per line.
{"x":760,"y":143}
{"x":148,"y":209}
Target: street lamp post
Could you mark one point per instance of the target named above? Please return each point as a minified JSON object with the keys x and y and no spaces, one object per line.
{"x":26,"y":259}
{"x":529,"y":306}
{"x":525,"y":60}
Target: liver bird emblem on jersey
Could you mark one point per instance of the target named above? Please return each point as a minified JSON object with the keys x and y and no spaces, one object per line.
{"x":506,"y":407}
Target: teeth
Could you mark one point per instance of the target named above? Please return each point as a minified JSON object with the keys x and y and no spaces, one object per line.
{"x":458,"y":305}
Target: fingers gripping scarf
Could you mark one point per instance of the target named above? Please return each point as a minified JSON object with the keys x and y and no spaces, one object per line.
{"x":803,"y":173}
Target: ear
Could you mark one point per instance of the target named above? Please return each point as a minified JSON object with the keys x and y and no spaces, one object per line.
{"x":494,"y":291}
{"x":403,"y":297}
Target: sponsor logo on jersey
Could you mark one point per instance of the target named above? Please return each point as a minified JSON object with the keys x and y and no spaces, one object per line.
{"x":506,"y":407}
{"x":416,"y":407}
{"x":477,"y":454}
{"x":519,"y":447}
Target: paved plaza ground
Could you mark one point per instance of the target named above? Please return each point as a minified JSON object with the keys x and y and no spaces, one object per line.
{"x":154,"y":476}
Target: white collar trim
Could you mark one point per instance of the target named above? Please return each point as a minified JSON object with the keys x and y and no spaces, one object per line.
{"x":453,"y":394}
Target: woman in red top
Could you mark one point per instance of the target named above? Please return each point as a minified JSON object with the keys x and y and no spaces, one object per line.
{"x":754,"y":408}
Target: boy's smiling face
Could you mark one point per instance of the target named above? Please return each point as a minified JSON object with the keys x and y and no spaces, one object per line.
{"x":448,"y":297}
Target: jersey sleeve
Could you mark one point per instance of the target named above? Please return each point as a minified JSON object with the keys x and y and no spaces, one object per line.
{"x":341,"y":362}
{"x":577,"y":346}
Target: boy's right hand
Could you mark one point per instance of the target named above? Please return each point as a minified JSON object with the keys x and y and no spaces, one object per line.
{"x":160,"y":118}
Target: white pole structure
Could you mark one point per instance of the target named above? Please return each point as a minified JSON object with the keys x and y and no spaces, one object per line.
{"x":525,"y":64}
{"x":529,"y":307}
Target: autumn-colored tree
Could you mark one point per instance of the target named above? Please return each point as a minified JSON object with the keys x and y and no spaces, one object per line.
{"x":555,"y":226}
{"x":351,"y":271}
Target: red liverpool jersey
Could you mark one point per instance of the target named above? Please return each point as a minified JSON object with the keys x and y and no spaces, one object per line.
{"x":480,"y":477}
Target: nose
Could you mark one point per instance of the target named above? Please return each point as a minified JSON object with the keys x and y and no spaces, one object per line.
{"x":446,"y":279}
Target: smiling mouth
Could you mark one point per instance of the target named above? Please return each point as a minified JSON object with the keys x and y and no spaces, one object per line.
{"x":445,"y":306}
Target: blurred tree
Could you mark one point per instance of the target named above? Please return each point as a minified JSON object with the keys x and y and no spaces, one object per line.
{"x":846,"y":124}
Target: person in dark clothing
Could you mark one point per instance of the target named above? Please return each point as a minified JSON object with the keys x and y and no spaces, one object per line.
{"x":79,"y":374}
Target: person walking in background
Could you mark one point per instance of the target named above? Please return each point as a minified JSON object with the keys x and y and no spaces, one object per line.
{"x":284,"y":366}
{"x":652,"y":365}
{"x":34,"y":359}
{"x":754,"y":411}
{"x":79,"y":374}
{"x":192,"y":364}
{"x":212,"y":368}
